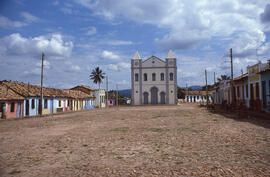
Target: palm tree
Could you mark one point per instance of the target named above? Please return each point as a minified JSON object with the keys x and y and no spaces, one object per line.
{"x":223,"y":77}
{"x":97,"y":75}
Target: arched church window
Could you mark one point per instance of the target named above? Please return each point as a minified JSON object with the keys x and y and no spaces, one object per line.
{"x":136,"y":77}
{"x":153,"y":76}
{"x":162,"y":76}
{"x":145,"y":77}
{"x":171,"y":76}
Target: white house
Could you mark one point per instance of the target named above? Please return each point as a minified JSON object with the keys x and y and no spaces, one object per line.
{"x":100,"y":100}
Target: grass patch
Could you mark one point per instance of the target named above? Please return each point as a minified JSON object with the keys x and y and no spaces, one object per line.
{"x":187,"y":129}
{"x":159,"y":116}
{"x":157,"y":129}
{"x":120,"y":129}
{"x":14,"y":172}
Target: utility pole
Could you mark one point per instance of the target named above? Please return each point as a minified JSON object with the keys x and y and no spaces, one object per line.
{"x":232,"y":85}
{"x":187,"y":92}
{"x":107,"y":91}
{"x":117,"y":95}
{"x":214,"y":78}
{"x":41,"y":89}
{"x":206,"y":88}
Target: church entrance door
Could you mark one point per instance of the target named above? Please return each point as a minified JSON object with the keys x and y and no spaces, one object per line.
{"x":145,"y":98}
{"x":162,"y":98}
{"x":154,"y":95}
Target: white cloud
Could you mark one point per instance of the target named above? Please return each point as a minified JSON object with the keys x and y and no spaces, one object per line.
{"x":55,"y":3}
{"x":110,"y":55}
{"x":91,"y":30}
{"x":66,"y":10}
{"x":7,"y":23}
{"x":188,"y":23}
{"x":75,"y":68}
{"x":122,"y":66}
{"x":29,"y":18}
{"x":51,"y":45}
{"x":46,"y":64}
{"x":117,"y":42}
{"x":113,"y":67}
{"x":35,"y":71}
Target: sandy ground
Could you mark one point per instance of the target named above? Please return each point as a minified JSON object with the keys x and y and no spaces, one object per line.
{"x":183,"y":140}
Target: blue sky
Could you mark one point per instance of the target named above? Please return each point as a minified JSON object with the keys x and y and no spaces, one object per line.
{"x":78,"y":35}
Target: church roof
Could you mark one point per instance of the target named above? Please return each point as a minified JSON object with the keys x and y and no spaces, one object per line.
{"x":170,"y":54}
{"x":154,"y":57}
{"x":137,"y":55}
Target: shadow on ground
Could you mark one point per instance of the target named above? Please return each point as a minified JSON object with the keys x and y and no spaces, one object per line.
{"x":260,"y":119}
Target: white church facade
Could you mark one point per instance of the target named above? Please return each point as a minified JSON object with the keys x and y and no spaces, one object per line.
{"x":153,"y":81}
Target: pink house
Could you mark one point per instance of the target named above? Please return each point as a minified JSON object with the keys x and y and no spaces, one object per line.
{"x":11,"y":103}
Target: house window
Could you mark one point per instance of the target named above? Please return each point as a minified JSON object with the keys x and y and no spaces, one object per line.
{"x":136,"y":77}
{"x":153,"y":76}
{"x":45,"y":103}
{"x":33,"y":104}
{"x":59,"y":103}
{"x":12,"y":107}
{"x":243,"y":92}
{"x":162,"y":76}
{"x":171,"y":76}
{"x":269,"y":87}
{"x":238,"y":92}
{"x":247,"y":91}
{"x":145,"y":77}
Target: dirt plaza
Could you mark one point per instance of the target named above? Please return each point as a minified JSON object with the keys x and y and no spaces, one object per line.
{"x":184,"y":140}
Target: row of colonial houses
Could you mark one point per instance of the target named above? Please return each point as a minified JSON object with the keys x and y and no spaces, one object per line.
{"x":18,"y":99}
{"x":197,"y":96}
{"x":251,"y":89}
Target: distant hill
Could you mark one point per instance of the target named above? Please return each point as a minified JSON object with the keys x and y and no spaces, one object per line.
{"x":194,"y":87}
{"x":125,"y":93}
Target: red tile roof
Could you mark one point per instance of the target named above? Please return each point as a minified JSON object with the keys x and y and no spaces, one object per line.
{"x":28,"y":90}
{"x":197,"y":92}
{"x":8,"y":94}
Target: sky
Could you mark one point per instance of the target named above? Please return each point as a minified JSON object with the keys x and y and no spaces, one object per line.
{"x":79,"y":35}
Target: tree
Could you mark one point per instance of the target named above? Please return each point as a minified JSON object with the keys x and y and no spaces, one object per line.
{"x":97,"y":75}
{"x":223,"y":77}
{"x":180,"y":93}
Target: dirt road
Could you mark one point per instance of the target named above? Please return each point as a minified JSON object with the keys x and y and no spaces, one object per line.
{"x":183,"y":140}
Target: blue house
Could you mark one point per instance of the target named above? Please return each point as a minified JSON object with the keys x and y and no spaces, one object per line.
{"x":265,"y":87}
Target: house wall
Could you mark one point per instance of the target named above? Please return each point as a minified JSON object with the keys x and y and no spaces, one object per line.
{"x":254,"y":78}
{"x":56,"y":106}
{"x":111,"y":102}
{"x":241,"y":97}
{"x":89,"y":103}
{"x":49,"y":104}
{"x":100,"y":98}
{"x":198,"y":98}
{"x":32,"y":111}
{"x":10,"y":114}
{"x":266,"y":77}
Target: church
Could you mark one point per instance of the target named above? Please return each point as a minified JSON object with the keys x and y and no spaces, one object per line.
{"x":153,"y":81}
